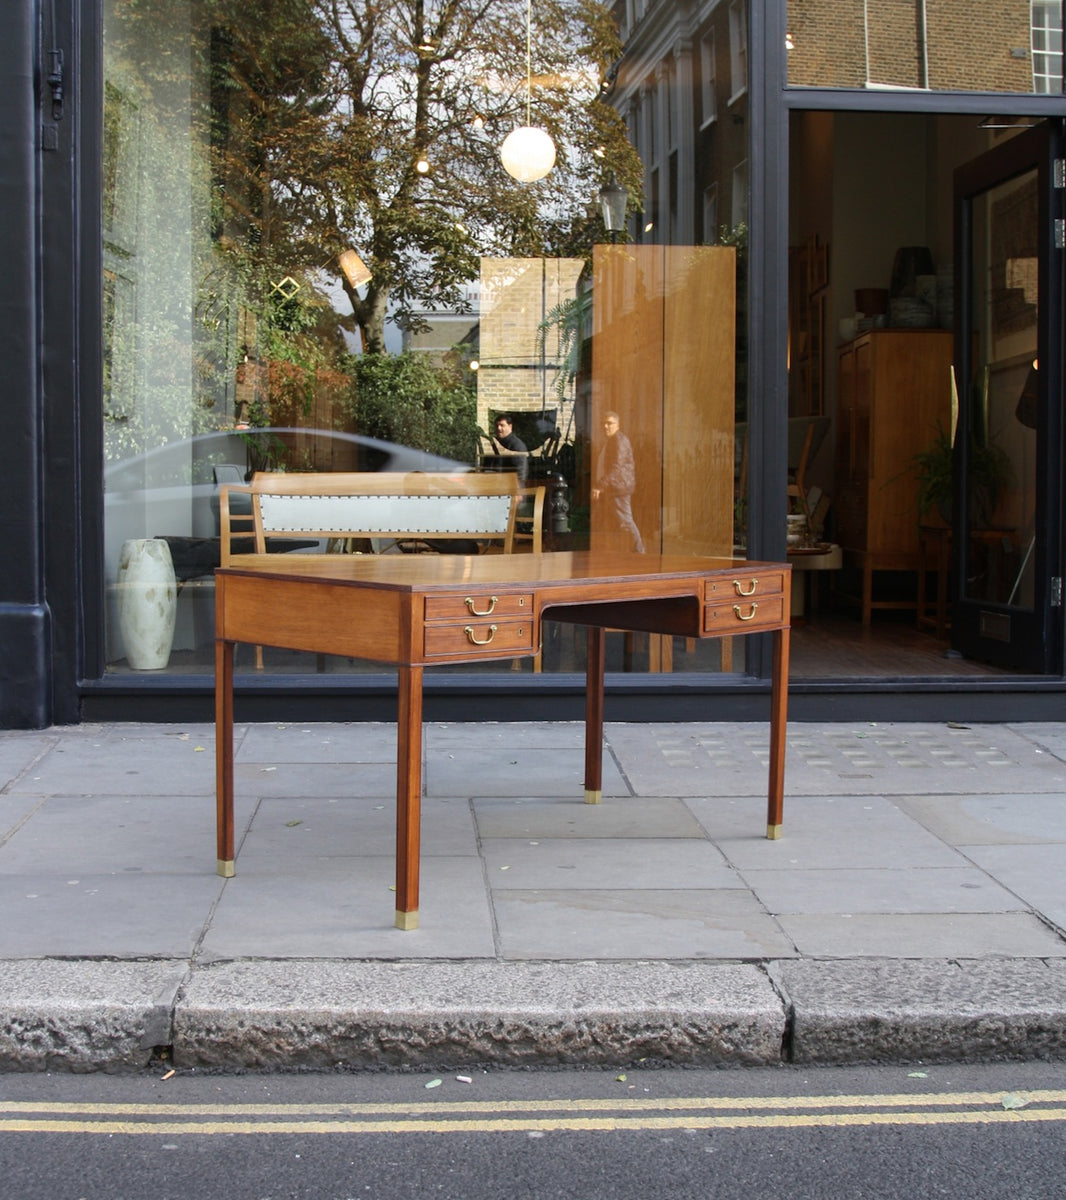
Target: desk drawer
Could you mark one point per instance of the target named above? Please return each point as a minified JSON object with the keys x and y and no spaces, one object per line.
{"x":480,"y":636}
{"x":746,"y":603}
{"x":479,"y":606}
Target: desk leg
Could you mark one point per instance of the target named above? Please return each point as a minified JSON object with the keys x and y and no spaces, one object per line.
{"x":408,"y":796}
{"x":224,"y":755}
{"x":594,"y":666}
{"x":778,"y":719}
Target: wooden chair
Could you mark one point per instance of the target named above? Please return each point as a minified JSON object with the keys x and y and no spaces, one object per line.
{"x":387,"y":512}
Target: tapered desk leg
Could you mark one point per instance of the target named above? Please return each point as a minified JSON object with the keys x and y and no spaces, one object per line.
{"x":778,"y":719}
{"x":408,"y":796}
{"x":596,"y":656}
{"x":224,"y":755}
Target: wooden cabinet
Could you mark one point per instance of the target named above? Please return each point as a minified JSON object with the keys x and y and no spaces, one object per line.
{"x":893,"y":390}
{"x":663,"y":352}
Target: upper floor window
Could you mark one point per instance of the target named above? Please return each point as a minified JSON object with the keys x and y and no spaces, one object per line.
{"x":1047,"y":45}
{"x":738,"y":48}
{"x":710,"y":214}
{"x":936,"y":45}
{"x":708,"y":79}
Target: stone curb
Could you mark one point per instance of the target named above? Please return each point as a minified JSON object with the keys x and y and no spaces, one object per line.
{"x":410,"y":1014}
{"x":320,"y":1015}
{"x":892,"y":1010}
{"x":85,"y":1016}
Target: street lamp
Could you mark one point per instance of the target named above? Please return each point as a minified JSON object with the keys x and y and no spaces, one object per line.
{"x":613,"y":201}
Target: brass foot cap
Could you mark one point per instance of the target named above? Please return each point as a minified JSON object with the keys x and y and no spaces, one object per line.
{"x":593,"y":797}
{"x":773,"y":832}
{"x":226,"y":868}
{"x":407,"y":920}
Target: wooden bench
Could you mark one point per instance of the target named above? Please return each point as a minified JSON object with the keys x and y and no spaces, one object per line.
{"x":399,"y":509}
{"x":383,"y":511}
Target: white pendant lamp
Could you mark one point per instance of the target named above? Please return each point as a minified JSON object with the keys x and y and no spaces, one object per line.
{"x":528,"y":153}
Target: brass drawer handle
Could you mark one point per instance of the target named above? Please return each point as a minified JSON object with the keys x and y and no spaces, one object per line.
{"x":740,"y":615}
{"x":469,"y":631}
{"x":493,"y":601}
{"x":741,"y":592}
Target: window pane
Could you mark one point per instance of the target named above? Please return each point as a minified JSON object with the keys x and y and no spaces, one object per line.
{"x":299,"y":276}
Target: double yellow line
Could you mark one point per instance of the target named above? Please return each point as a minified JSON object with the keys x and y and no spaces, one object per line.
{"x":528,"y":1116}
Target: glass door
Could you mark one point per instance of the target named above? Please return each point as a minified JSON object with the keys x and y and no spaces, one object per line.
{"x":1006,"y":406}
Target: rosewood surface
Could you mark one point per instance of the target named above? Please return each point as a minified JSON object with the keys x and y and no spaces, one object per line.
{"x":413,"y":611}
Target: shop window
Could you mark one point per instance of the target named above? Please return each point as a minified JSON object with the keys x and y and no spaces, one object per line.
{"x":238,"y":336}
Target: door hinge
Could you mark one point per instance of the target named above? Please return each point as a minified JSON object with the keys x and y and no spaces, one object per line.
{"x":1056,"y":591}
{"x":1058,"y":173}
{"x":1060,"y":233}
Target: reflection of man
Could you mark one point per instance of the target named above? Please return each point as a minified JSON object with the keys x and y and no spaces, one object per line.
{"x":616,"y":478}
{"x":506,"y":435}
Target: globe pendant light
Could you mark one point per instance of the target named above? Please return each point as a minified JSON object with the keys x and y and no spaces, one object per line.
{"x":528,"y":153}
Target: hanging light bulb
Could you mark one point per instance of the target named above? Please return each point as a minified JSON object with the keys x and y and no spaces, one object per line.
{"x":528,"y":153}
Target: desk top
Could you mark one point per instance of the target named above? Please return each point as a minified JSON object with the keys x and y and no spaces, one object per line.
{"x":425,"y":608}
{"x":425,"y":572}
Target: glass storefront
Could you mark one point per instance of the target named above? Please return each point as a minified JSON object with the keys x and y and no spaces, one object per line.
{"x":314,"y":260}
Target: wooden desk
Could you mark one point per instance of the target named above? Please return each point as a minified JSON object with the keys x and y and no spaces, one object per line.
{"x":418,"y":610}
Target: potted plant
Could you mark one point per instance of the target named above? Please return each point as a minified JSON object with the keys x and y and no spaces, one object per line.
{"x":990,"y":471}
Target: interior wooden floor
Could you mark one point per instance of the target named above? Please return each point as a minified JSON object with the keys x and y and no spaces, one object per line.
{"x":839,"y":646}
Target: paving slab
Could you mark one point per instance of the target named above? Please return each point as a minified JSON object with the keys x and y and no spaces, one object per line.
{"x":517,"y":770}
{"x":315,"y":743}
{"x":291,"y":835}
{"x":99,"y":834}
{"x":144,"y":760}
{"x":826,"y":833}
{"x":924,"y":935}
{"x":1002,"y":819}
{"x":14,"y":810}
{"x":271,"y":777}
{"x":1036,"y":874}
{"x":640,"y":865}
{"x":346,"y":908}
{"x":120,"y":915}
{"x":19,"y":752}
{"x":617,"y":817}
{"x":846,"y":892}
{"x":696,"y":760}
{"x":604,"y":923}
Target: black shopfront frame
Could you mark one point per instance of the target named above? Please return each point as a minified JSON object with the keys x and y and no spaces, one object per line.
{"x":51,"y":492}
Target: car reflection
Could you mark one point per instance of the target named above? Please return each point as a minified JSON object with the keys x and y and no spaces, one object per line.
{"x":171,"y":491}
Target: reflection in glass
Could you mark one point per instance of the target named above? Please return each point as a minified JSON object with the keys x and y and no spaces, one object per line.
{"x":937,"y":45}
{"x":1001,"y":454}
{"x":314,"y":261}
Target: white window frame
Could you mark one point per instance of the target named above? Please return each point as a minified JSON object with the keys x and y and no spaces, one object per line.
{"x":708,"y":80}
{"x":738,"y":49}
{"x":1046,"y":28}
{"x":738,"y":211}
{"x":710,"y":215}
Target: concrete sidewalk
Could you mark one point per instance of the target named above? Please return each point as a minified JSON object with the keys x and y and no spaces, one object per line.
{"x":914,"y":909}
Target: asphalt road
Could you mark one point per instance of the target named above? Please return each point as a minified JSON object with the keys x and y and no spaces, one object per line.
{"x":995,"y":1132}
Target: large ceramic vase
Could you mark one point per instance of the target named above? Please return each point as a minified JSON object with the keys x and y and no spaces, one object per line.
{"x":147,"y":602}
